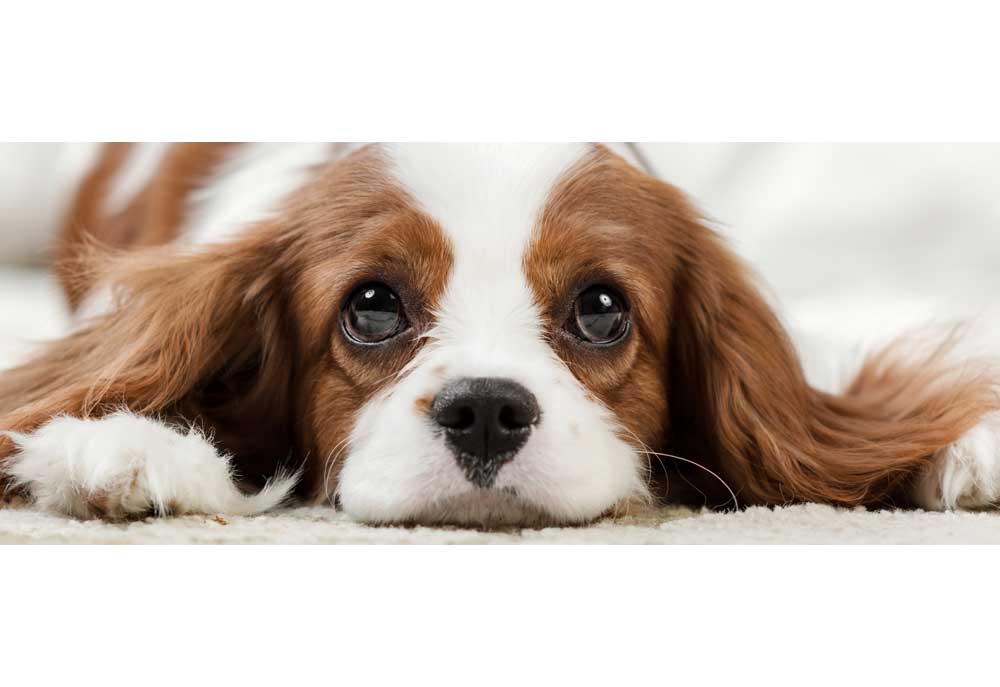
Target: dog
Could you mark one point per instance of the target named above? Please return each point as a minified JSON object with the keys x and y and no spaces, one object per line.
{"x":476,"y":335}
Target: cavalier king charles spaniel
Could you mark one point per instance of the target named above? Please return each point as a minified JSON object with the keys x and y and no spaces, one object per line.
{"x":446,"y":334}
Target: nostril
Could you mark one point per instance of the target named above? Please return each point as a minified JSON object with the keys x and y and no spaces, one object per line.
{"x":457,"y":417}
{"x":465,"y":419}
{"x":517,"y":417}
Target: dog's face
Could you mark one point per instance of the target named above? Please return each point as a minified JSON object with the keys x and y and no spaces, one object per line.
{"x":488,"y":325}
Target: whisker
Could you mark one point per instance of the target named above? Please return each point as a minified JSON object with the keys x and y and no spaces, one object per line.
{"x":694,"y":486}
{"x":732,"y":494}
{"x":663,"y":467}
{"x":650,"y":452}
{"x":649,"y":464}
{"x":331,"y":461}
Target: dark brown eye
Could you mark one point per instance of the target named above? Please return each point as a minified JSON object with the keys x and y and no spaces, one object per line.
{"x":599,"y":315}
{"x":373,"y":314}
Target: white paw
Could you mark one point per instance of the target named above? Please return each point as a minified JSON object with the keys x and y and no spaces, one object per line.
{"x":965,"y":474}
{"x":124,"y":465}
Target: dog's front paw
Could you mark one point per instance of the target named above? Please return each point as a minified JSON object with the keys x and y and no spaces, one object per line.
{"x":965,"y":474}
{"x":124,"y":466}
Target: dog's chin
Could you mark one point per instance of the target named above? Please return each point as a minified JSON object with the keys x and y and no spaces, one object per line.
{"x":486,"y":509}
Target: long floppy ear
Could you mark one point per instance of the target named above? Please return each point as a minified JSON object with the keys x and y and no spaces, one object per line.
{"x":739,"y":400}
{"x":196,"y":337}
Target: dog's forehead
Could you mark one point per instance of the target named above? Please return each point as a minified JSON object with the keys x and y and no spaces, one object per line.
{"x":486,"y":197}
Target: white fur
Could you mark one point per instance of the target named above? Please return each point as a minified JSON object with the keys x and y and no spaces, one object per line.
{"x":574,"y":466}
{"x":965,"y":474}
{"x":125,"y":465}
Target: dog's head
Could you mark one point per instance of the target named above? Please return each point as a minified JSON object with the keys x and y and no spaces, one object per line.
{"x":497,"y":318}
{"x":489,"y":329}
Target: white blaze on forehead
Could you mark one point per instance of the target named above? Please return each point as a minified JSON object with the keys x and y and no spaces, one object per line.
{"x":487,"y":198}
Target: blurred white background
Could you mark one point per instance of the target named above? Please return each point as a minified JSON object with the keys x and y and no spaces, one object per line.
{"x":857,"y":242}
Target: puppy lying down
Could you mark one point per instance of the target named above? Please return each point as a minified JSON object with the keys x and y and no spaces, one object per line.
{"x":437,"y":333}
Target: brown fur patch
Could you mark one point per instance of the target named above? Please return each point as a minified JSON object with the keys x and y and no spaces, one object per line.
{"x":591,"y":233}
{"x":424,"y":403}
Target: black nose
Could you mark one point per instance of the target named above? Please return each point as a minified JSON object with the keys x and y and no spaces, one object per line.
{"x":486,"y":422}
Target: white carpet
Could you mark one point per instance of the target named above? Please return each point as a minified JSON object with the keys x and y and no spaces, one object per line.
{"x":859,"y":242}
{"x":808,"y":524}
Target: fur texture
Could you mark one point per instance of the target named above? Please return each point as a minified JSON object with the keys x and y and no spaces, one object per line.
{"x":123,"y":466}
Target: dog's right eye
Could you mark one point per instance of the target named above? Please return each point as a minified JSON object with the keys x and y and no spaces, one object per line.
{"x":600,"y":316}
{"x":373,"y":314}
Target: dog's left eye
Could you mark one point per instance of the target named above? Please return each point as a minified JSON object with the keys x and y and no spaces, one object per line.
{"x":373,"y":314}
{"x":599,"y":315}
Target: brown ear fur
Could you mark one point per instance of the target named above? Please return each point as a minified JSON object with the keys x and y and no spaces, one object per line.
{"x":740,"y":403}
{"x":194,"y":337}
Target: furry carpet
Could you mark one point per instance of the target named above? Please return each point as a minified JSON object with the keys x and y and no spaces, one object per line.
{"x":809,"y":524}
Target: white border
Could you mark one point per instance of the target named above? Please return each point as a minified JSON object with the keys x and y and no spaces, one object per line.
{"x":499,"y":615}
{"x":455,"y":70}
